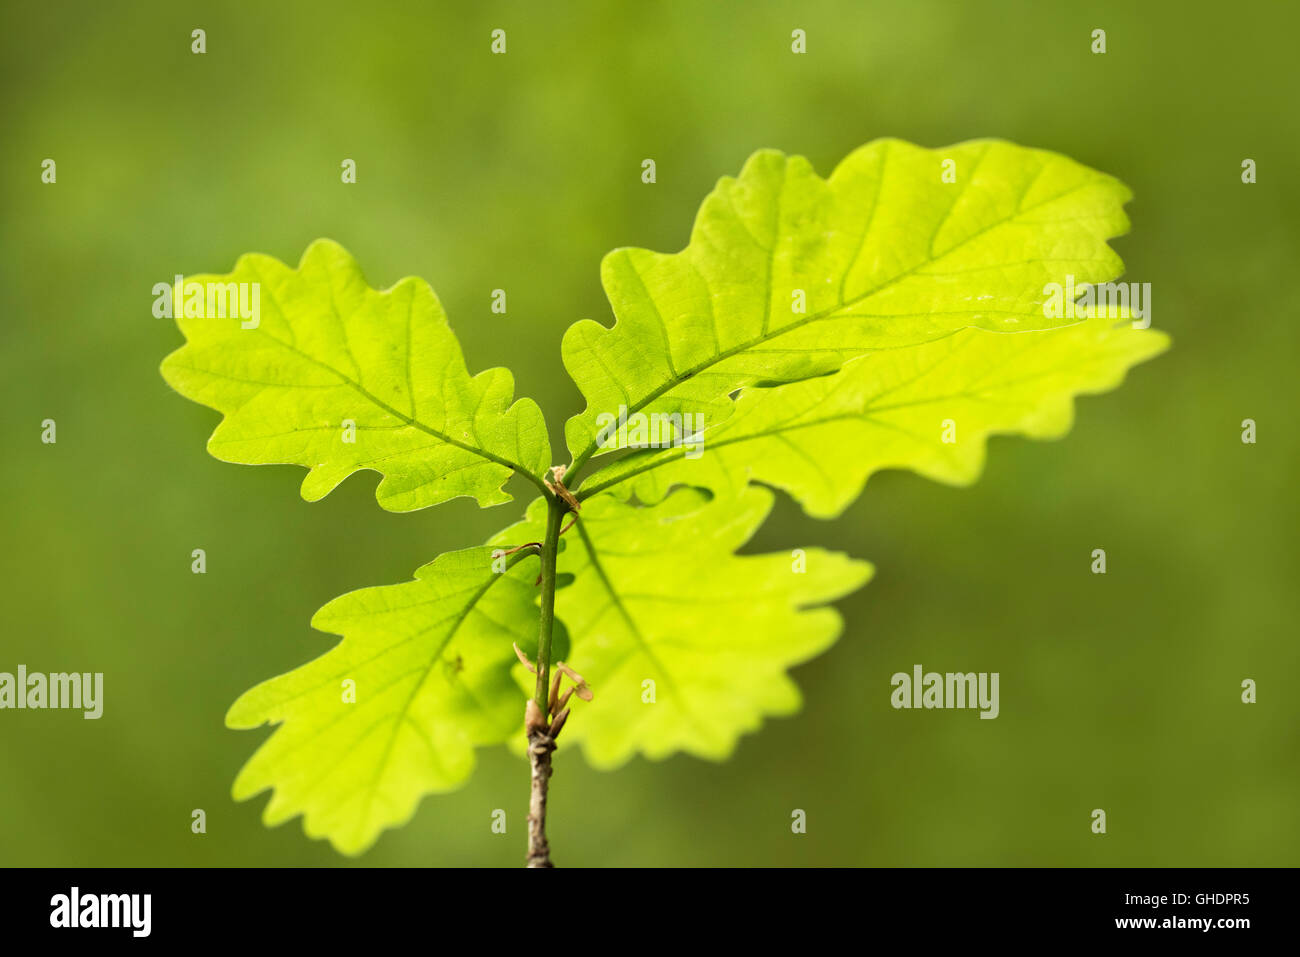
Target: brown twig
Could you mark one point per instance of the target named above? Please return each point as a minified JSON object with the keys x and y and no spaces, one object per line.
{"x":540,"y":746}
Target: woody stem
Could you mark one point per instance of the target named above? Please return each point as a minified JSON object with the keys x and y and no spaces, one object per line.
{"x":540,"y":742}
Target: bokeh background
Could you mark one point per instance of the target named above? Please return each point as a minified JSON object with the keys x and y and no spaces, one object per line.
{"x":520,"y":171}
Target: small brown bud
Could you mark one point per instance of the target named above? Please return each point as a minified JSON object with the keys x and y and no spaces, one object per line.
{"x":534,"y":720}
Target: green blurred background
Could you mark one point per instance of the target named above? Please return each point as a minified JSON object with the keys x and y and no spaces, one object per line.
{"x":520,"y":171}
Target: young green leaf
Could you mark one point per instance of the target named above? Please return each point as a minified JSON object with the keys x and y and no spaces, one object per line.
{"x":395,"y":710}
{"x":929,"y":408}
{"x":338,"y":377}
{"x":787,"y":275}
{"x":686,"y":644}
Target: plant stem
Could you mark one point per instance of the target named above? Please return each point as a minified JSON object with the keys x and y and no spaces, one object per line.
{"x":540,"y":742}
